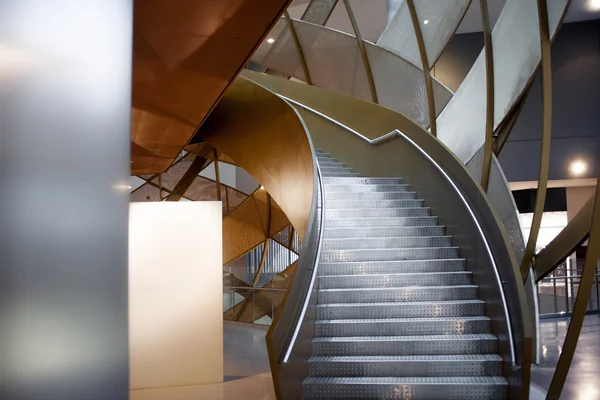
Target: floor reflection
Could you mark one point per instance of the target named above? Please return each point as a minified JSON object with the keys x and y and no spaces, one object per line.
{"x":582,"y":382}
{"x":246,"y":371}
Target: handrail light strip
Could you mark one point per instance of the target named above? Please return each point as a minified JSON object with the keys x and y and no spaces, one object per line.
{"x":396,"y":132}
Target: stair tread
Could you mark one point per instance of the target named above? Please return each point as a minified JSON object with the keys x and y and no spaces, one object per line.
{"x":471,"y":380}
{"x":406,"y":338}
{"x":396,"y":248}
{"x":440,"y":260}
{"x":396,"y":303}
{"x":413,"y":319}
{"x":392,"y":358}
{"x":399,"y":274}
{"x":400,"y":288}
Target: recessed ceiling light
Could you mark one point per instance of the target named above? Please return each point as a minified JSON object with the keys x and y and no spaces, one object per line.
{"x":426,"y":21}
{"x":594,"y":4}
{"x":578,"y":167}
{"x":270,"y":40}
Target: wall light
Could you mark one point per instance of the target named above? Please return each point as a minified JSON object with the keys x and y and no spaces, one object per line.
{"x":426,"y":21}
{"x":262,"y":188}
{"x":578,"y":167}
{"x":594,"y":4}
{"x":270,"y":40}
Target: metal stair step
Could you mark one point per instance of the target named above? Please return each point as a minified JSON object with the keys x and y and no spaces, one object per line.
{"x":450,"y":308}
{"x":363,"y":181}
{"x":377,"y":212}
{"x":386,"y":242}
{"x":367,"y":204}
{"x":402,"y":326}
{"x":369,"y":196}
{"x":383,"y":267}
{"x":447,"y":388}
{"x":339,"y":174}
{"x":483,"y":343}
{"x":414,"y":293}
{"x":394,"y":280}
{"x":414,"y":365}
{"x":383,"y":232}
{"x":359,"y":188}
{"x":329,"y":162}
{"x":380,"y":222}
{"x":410,"y":253}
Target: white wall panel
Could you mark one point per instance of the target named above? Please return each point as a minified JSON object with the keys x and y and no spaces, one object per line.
{"x":175,"y":294}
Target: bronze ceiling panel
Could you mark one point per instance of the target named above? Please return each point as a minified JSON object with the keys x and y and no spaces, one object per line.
{"x":185,"y":54}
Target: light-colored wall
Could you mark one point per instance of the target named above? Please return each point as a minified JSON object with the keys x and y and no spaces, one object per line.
{"x":175,"y":294}
{"x":576,"y":198}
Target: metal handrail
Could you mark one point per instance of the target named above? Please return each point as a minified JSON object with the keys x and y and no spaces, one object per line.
{"x":315,"y":266}
{"x":396,"y":133}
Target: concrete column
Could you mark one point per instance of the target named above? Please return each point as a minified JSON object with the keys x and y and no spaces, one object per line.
{"x":65,"y":88}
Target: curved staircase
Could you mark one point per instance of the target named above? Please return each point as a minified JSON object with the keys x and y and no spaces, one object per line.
{"x":397,"y":313}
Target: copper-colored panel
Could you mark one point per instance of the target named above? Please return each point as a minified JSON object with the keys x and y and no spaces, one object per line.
{"x":264,"y":135}
{"x":238,"y":238}
{"x":235,"y":198}
{"x":185,"y":54}
{"x":146,"y":192}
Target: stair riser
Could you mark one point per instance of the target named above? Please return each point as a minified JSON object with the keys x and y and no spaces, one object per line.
{"x":330,"y":163}
{"x":393,"y":267}
{"x":393,"y":280}
{"x":363,"y":181}
{"x":378,"y":212}
{"x":387,"y":243}
{"x":350,"y":188}
{"x":401,"y":311}
{"x":406,"y":368}
{"x":406,"y":348}
{"x":345,"y":204}
{"x":371,"y":233}
{"x":370,"y":328}
{"x":380,"y":222}
{"x":405,"y":391}
{"x":431,"y":293}
{"x":430,"y":253}
{"x":370,"y":196}
{"x":338,"y":174}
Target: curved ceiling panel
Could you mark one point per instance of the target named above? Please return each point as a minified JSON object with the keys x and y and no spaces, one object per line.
{"x":438,"y":20}
{"x":185,"y":54}
{"x":265,"y":136}
{"x":516,"y":45}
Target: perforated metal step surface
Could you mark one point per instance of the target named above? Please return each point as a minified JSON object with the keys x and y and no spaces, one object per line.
{"x":450,"y":388}
{"x":405,"y":345}
{"x":399,"y":309}
{"x":397,"y":314}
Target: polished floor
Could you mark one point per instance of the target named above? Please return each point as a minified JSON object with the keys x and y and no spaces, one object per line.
{"x":583,"y":381}
{"x":247,"y":375}
{"x":246,"y":371}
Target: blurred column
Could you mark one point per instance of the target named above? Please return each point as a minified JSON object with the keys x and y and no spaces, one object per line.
{"x":65,"y":88}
